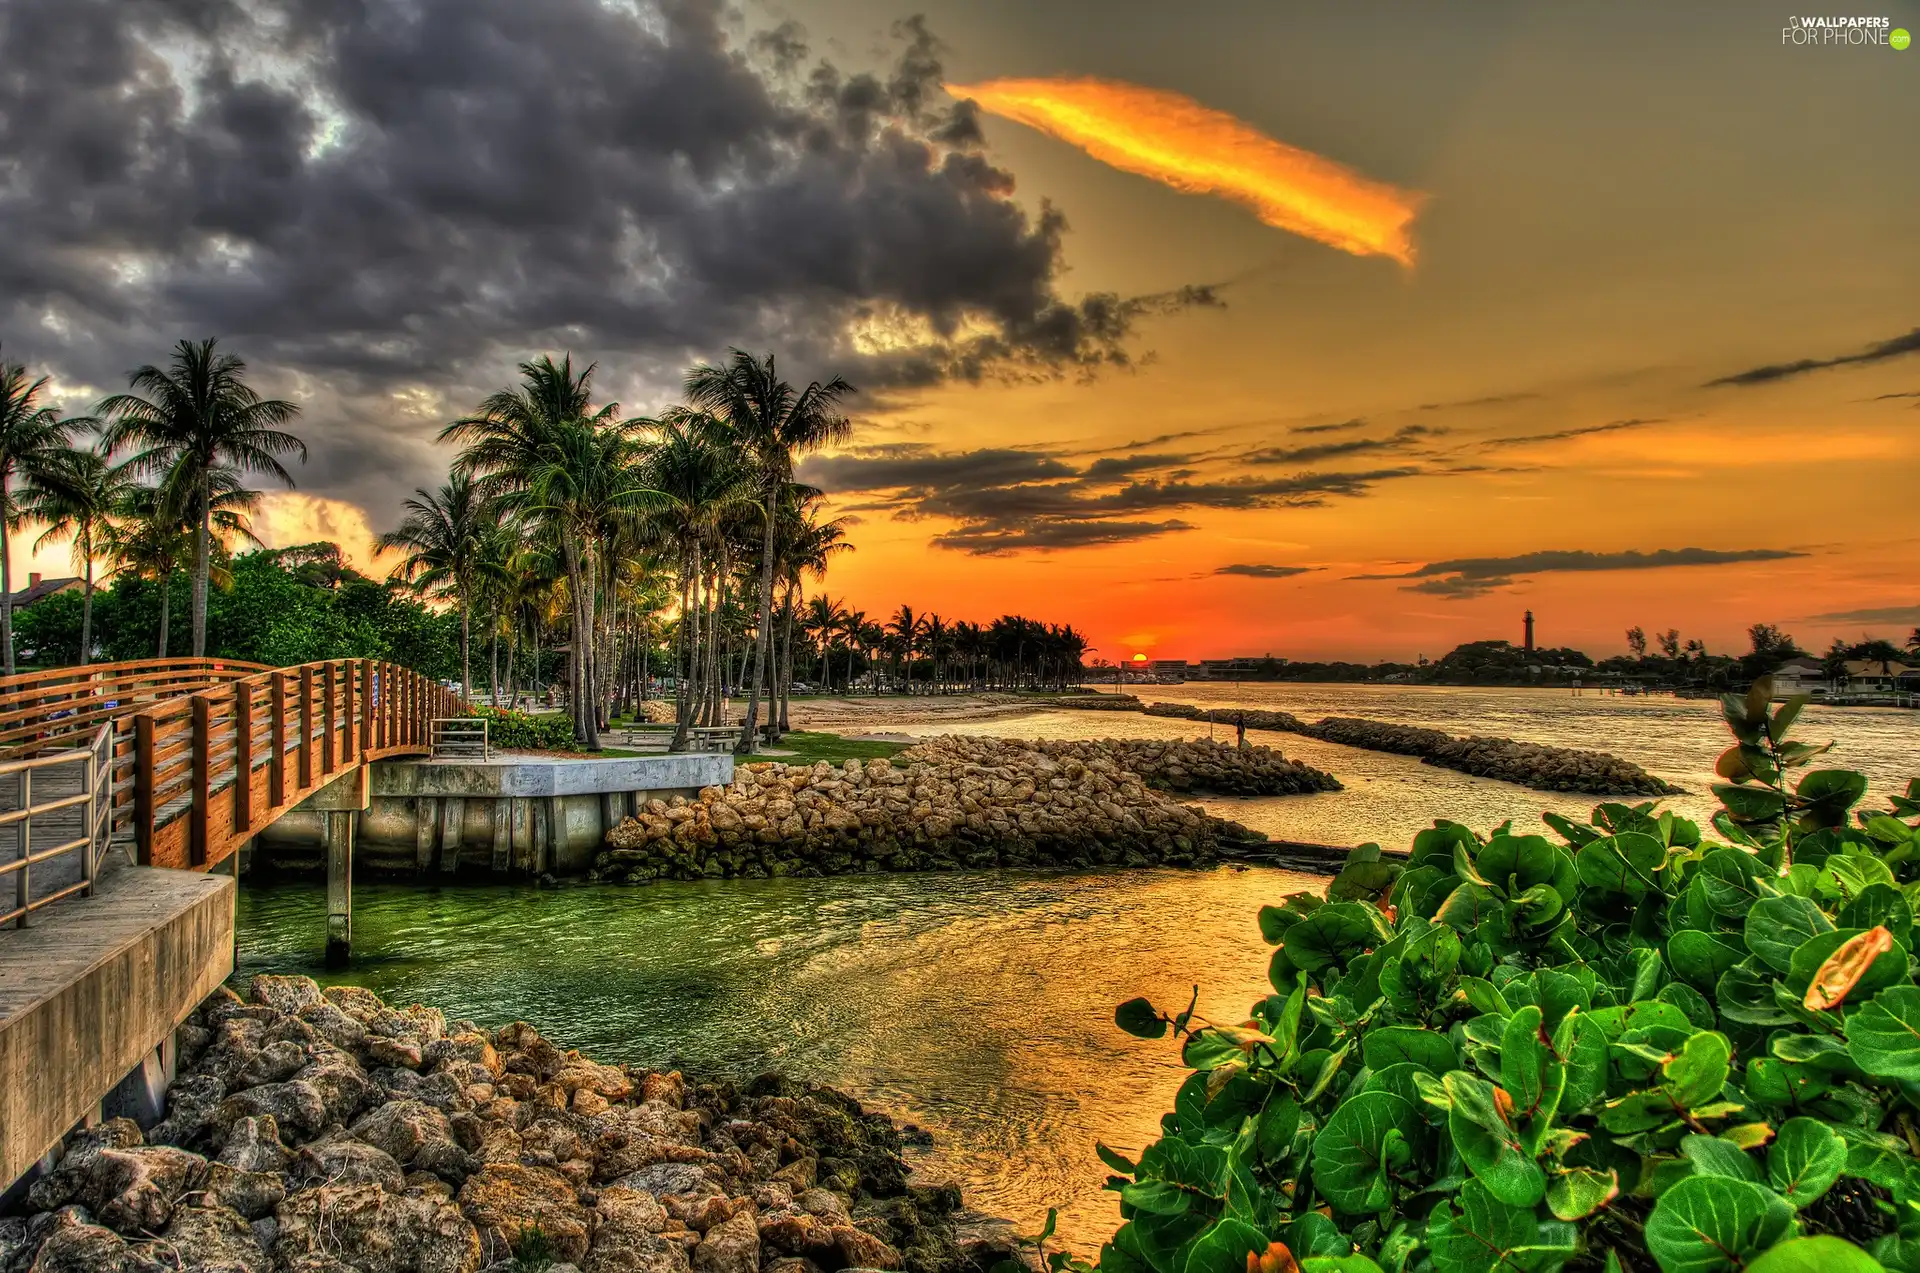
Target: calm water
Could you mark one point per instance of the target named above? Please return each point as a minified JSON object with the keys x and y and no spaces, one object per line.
{"x":979,"y":1005}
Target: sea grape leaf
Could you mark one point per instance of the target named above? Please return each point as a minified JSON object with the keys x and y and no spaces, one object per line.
{"x":1729,"y":877}
{"x":1695,"y":1074}
{"x":1557,"y":993}
{"x":1883,"y":1035}
{"x":1477,"y":1233}
{"x":1698,"y":1007}
{"x":1882,"y":905}
{"x":1487,"y":1142}
{"x":1700,"y":957}
{"x":1314,"y":1234}
{"x":1855,"y":966}
{"x":1331,"y":935}
{"x":1391,"y":1045}
{"x":1745,"y":996}
{"x":1578,"y":1192}
{"x":1806,"y":1158}
{"x":1141,"y":1018}
{"x":1159,"y":1197}
{"x":1528,"y":1071}
{"x":1822,"y":1254}
{"x":1582,"y":1045}
{"x":1338,"y":1264}
{"x":1624,"y":863}
{"x":1712,"y":1156}
{"x":1224,"y":1248}
{"x":1776,"y":926}
{"x":1353,"y":1152}
{"x":1704,"y":1224}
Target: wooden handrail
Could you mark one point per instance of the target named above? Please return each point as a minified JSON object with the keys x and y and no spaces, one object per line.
{"x":199,"y":757}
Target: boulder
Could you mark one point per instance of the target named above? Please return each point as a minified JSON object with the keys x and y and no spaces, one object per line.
{"x":517,"y":1199}
{"x":369,"y":1230}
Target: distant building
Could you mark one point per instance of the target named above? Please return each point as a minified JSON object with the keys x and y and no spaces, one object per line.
{"x":1801,"y":676}
{"x":1876,"y":676}
{"x":39,"y":589}
{"x":1529,"y":638}
{"x":1168,"y":667}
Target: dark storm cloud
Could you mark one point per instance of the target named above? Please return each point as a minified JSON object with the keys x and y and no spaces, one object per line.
{"x":1882,"y":614}
{"x":1047,"y":536}
{"x":1582,"y":431}
{"x":1318,"y":451}
{"x":1009,"y":499}
{"x":1472,"y":576}
{"x":1878,"y":352}
{"x":1258,"y":571}
{"x":365,"y":196}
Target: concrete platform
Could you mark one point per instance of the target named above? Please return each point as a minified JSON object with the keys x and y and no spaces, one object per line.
{"x":92,"y":993}
{"x":527,"y":775}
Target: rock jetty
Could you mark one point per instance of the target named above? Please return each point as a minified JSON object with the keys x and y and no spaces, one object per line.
{"x":951,"y":803}
{"x":1200,"y":767}
{"x":327,"y":1132}
{"x":1533,"y":765}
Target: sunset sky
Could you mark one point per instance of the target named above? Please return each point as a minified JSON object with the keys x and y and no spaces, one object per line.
{"x":1213,"y":328}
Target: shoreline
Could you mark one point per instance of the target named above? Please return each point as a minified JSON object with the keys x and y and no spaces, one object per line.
{"x":327,"y":1124}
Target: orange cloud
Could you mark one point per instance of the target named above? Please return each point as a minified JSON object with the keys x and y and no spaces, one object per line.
{"x":287,"y":518}
{"x":1194,"y":148}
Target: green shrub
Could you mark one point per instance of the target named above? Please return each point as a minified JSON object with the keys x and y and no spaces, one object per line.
{"x":1627,"y":1046}
{"x":524,"y":731}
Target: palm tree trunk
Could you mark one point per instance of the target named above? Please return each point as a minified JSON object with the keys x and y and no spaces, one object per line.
{"x":764,"y":637}
{"x":6,"y":576}
{"x":166,"y":609}
{"x":466,"y":645}
{"x":689,"y":643}
{"x":86,"y":613}
{"x":201,"y":566}
{"x":493,"y":668}
{"x":786,"y":673}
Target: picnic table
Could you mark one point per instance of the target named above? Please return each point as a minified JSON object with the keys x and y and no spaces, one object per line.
{"x":653,"y":737}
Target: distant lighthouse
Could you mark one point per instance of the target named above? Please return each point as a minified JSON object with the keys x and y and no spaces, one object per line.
{"x":1529,"y":632}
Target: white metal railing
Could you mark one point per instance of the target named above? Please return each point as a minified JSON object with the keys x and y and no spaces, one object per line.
{"x":74,"y":801}
{"x":460,"y":738}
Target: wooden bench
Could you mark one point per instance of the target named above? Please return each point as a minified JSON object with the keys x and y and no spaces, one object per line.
{"x":651,"y":737}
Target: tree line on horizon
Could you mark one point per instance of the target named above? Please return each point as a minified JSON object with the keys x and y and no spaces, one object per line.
{"x":562,"y":527}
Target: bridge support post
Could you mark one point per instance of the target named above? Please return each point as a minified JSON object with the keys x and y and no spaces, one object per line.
{"x":340,"y":826}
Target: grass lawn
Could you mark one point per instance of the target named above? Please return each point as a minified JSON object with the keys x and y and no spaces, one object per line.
{"x":807,"y":747}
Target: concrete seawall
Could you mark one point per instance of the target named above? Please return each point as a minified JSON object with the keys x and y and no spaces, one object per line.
{"x":508,"y":816}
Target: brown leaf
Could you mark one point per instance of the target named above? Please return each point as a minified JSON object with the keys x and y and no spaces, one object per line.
{"x":1275,"y":1259}
{"x":1845,"y":967}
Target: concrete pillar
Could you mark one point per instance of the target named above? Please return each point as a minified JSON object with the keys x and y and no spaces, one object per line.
{"x":340,"y":887}
{"x":142,"y":1094}
{"x":425,"y":811}
{"x":506,"y":812}
{"x":453,"y":821}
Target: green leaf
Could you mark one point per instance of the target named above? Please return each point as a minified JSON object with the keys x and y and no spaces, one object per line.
{"x":1581,"y":1042}
{"x":1391,"y":1045}
{"x":1477,"y":1233}
{"x":1704,"y":1224}
{"x":1352,"y":1153}
{"x":1159,"y":1197}
{"x":1141,"y":1018}
{"x":1745,"y":996}
{"x":1712,"y":1156}
{"x":1624,"y":863}
{"x":1338,"y":1264}
{"x":1729,"y":876}
{"x":1700,"y":957}
{"x":1114,"y":1160}
{"x":1805,"y":1160}
{"x":1695,"y":1074}
{"x":1816,"y":1255}
{"x":1883,"y":1035}
{"x":1528,"y":1071}
{"x":1578,"y":1192}
{"x":1488,"y":1144}
{"x":1880,"y":906}
{"x":1750,"y":804}
{"x":1776,"y":926}
{"x":1314,"y":1234}
{"x":1224,"y":1248}
{"x":1331,"y":935}
{"x":1363,"y":881}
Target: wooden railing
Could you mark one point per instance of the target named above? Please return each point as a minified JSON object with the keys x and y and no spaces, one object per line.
{"x":207,"y":753}
{"x":63,"y":706}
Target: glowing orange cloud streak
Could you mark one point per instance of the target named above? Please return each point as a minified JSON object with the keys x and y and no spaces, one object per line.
{"x":1194,"y":148}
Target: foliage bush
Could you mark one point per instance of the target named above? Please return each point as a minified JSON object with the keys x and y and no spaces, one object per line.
{"x":524,"y":731}
{"x":1633,"y":1045}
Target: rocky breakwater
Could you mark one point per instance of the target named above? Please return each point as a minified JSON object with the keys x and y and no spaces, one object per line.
{"x":1199,"y":767}
{"x":949,"y":803}
{"x":327,"y":1132}
{"x":1533,"y":765}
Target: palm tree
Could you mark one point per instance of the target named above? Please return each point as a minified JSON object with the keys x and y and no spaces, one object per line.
{"x":771,"y":423}
{"x":443,"y":536}
{"x":197,"y":417}
{"x":805,"y":546}
{"x":853,"y":629}
{"x":77,"y":496}
{"x":906,"y":628}
{"x":31,"y":437}
{"x":822,"y":623}
{"x":939,"y":635}
{"x":150,"y":539}
{"x":547,"y":455}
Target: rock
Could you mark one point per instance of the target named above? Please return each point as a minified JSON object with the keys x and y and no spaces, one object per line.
{"x":285,"y":994}
{"x":131,"y":1189}
{"x":401,"y":1128}
{"x":209,"y":1239}
{"x":295,"y":1107}
{"x":275,"y":1063}
{"x":517,"y":1199}
{"x":80,"y":1247}
{"x":669,"y":1178}
{"x":374,"y":1230}
{"x":731,"y":1247}
{"x":338,"y":1161}
{"x":860,"y":1249}
{"x":252,"y":1194}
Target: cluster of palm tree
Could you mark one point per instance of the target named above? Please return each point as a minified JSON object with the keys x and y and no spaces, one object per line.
{"x":562,"y":516}
{"x":1011,"y":652}
{"x":151,"y":481}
